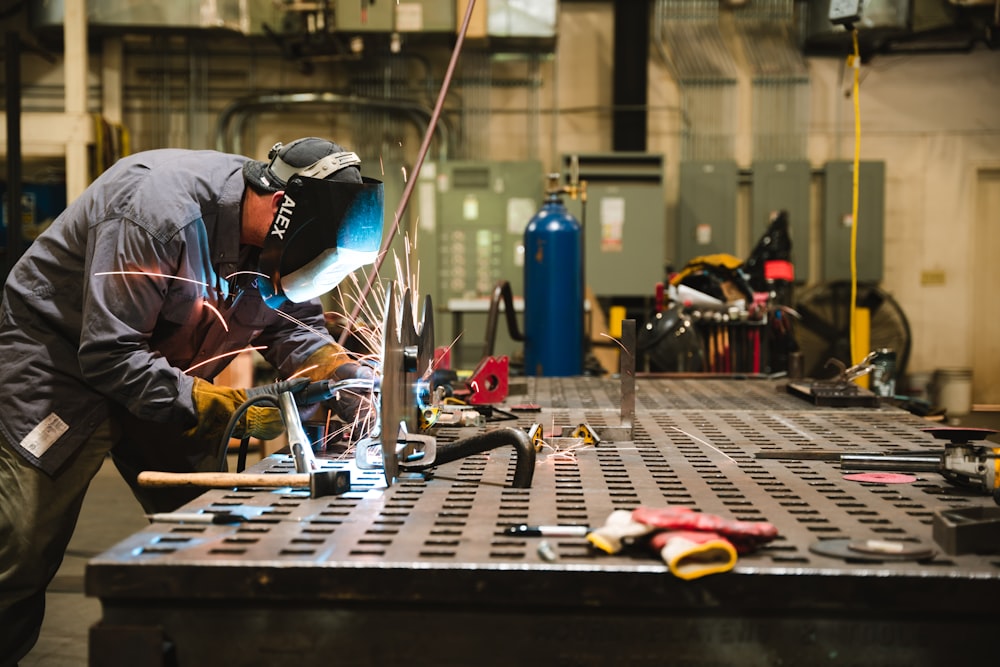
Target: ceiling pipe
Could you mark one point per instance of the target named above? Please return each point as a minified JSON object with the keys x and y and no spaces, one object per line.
{"x":227,"y":140}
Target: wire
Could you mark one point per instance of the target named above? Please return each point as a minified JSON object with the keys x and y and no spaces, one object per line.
{"x":855,"y":63}
{"x":268,"y":399}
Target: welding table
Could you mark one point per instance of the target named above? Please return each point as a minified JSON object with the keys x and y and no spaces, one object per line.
{"x":422,"y":572}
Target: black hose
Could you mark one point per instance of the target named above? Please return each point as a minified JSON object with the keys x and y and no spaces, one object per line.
{"x":271,"y":400}
{"x":501,"y":293}
{"x":524,"y":470}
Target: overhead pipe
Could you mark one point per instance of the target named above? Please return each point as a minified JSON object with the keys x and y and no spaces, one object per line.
{"x":240,"y":108}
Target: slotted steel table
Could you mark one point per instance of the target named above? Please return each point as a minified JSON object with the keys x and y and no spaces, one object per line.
{"x":423,"y":573}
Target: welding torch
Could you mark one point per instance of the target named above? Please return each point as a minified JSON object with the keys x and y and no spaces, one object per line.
{"x":287,"y":396}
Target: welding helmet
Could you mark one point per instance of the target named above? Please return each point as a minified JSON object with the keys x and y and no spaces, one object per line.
{"x":669,"y":343}
{"x":328,"y":223}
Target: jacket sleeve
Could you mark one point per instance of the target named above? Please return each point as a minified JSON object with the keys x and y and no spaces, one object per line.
{"x":127,"y":280}
{"x":295,"y":336}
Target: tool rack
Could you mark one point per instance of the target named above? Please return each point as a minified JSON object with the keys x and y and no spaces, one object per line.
{"x":422,"y":572}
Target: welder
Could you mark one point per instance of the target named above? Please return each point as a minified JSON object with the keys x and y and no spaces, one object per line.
{"x":114,"y":319}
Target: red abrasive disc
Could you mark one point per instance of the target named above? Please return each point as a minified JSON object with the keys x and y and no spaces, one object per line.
{"x":881,"y":477}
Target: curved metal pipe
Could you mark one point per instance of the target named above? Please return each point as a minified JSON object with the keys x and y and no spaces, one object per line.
{"x":502,"y":292}
{"x":244,"y":105}
{"x":524,"y":470}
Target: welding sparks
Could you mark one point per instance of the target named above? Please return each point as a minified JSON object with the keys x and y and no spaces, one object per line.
{"x":252,"y":273}
{"x":224,"y":355}
{"x":730,"y":460}
{"x":215,"y":310}
{"x":151,"y":274}
{"x":612,"y":338}
{"x":322,"y":334}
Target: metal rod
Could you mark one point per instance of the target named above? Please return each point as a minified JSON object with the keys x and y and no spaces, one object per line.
{"x":14,"y":165}
{"x":627,"y":370}
{"x":414,"y":176}
{"x":929,"y":463}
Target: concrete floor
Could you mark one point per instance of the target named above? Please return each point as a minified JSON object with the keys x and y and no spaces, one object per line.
{"x":110,"y":514}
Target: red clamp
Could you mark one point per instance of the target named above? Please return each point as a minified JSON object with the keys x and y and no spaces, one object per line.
{"x":488,"y":383}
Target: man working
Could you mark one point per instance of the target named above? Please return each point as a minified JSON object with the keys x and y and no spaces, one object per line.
{"x":114,"y":320}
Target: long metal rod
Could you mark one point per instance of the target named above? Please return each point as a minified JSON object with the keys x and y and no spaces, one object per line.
{"x":408,"y":189}
{"x":14,"y":163}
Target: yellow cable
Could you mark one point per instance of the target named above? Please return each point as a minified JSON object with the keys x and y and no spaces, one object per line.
{"x":855,"y":63}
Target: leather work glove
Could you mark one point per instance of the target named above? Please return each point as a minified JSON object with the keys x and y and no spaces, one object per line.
{"x":744,"y":535}
{"x":691,"y":554}
{"x":617,"y":529}
{"x":216,"y":405}
{"x":351,"y":404}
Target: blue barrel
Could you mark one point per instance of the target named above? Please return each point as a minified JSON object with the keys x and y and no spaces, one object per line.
{"x":553,"y":292}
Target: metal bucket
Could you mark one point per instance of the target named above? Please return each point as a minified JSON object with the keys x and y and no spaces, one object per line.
{"x":951,"y":389}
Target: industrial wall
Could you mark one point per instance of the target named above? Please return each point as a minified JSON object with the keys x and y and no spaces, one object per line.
{"x":930,"y":118}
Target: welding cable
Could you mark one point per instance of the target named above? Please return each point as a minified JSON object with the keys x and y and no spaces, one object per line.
{"x":305,"y":393}
{"x":268,"y":400}
{"x":264,"y":395}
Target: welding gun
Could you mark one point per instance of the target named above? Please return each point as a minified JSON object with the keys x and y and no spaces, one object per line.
{"x":287,"y":396}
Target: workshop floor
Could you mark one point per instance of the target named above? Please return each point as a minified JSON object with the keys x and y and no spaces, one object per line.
{"x":110,"y":514}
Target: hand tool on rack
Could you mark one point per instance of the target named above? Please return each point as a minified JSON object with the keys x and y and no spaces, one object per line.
{"x":967,"y":460}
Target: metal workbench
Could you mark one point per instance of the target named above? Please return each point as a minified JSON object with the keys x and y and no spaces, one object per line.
{"x":422,"y":573}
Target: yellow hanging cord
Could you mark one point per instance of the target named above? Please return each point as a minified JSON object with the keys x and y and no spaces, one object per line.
{"x":854,"y":61}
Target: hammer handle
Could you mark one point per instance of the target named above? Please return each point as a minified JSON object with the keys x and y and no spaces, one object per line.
{"x":222,"y":480}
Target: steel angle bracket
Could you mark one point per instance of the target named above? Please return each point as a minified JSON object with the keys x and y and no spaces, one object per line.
{"x":407,"y":364}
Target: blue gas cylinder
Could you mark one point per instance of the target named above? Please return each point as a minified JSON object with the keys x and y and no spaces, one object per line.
{"x":553,"y":291}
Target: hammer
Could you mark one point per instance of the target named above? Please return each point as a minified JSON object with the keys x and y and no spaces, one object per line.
{"x":320,"y":483}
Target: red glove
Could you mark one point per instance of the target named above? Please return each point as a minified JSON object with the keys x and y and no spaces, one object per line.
{"x":691,"y":554}
{"x":744,"y":535}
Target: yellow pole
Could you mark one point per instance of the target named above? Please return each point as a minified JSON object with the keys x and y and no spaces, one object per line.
{"x":862,"y":338}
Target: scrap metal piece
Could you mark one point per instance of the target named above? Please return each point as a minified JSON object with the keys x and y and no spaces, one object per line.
{"x":967,"y":530}
{"x":627,"y":374}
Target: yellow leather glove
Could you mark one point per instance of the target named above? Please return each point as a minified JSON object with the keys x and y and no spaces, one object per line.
{"x":332,"y":362}
{"x":323,"y":363}
{"x":215,"y":406}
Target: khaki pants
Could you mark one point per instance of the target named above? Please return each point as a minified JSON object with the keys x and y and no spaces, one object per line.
{"x":38,"y":514}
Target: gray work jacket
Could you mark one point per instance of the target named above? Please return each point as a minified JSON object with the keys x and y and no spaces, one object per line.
{"x":127,"y":290}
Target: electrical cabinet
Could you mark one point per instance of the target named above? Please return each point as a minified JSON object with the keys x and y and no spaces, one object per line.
{"x":706,"y":209}
{"x":623,"y":219}
{"x":783,"y":186}
{"x":470,"y":221}
{"x":837,"y":220}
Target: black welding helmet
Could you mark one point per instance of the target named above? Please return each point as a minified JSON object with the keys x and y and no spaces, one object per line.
{"x":669,"y":342}
{"x":323,"y":231}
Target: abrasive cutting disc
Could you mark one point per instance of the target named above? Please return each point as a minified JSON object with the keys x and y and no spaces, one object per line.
{"x":881,"y":477}
{"x":872,"y":550}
